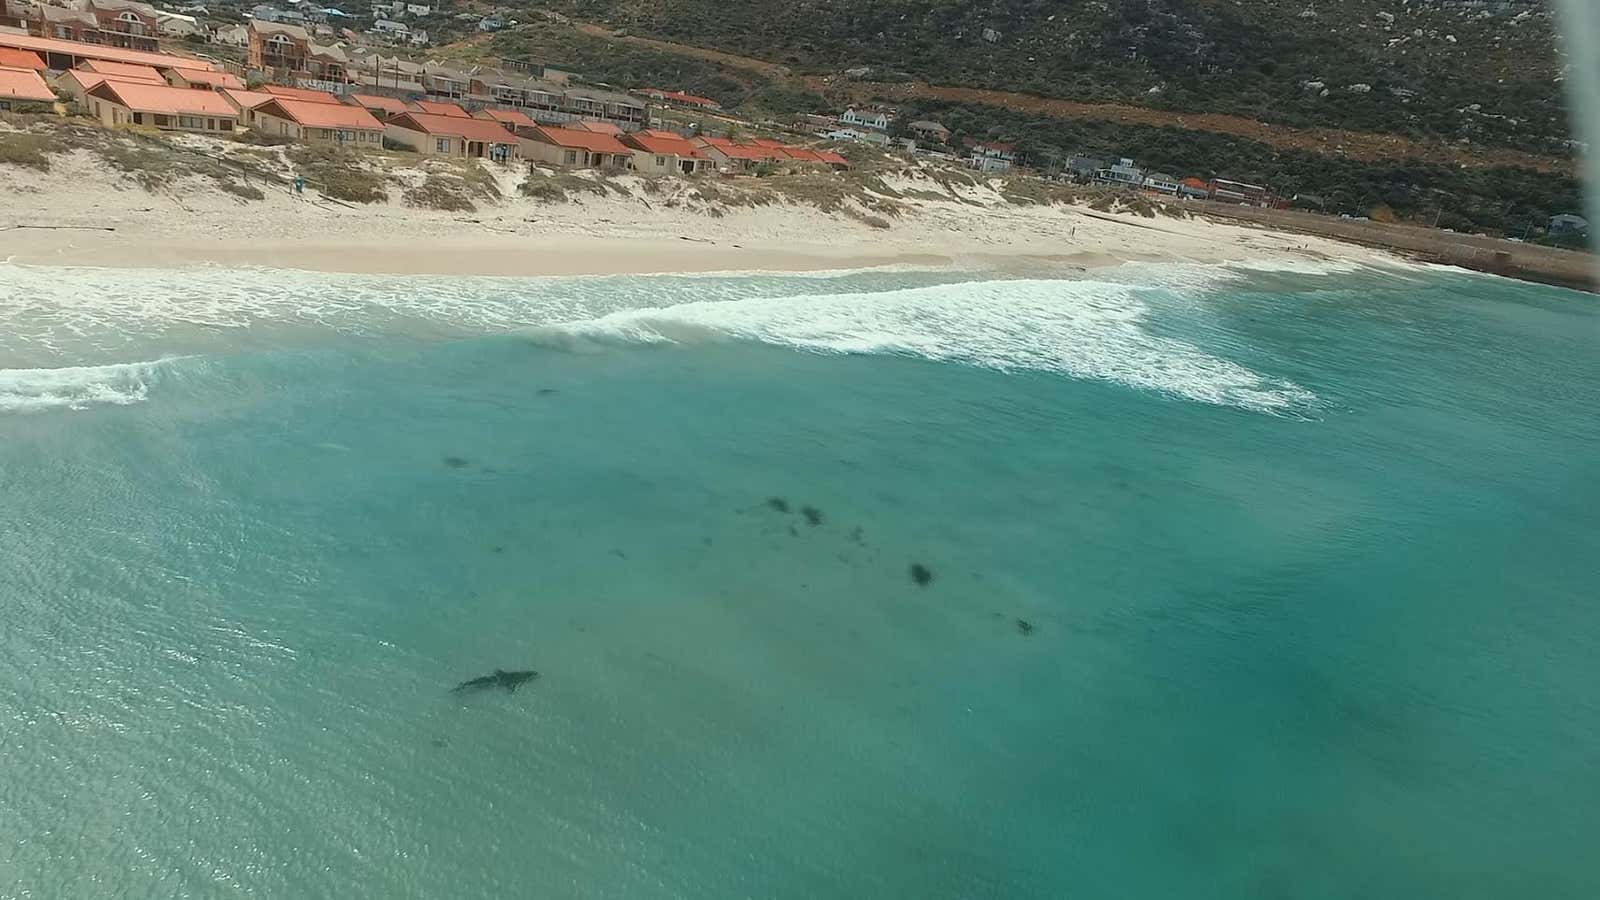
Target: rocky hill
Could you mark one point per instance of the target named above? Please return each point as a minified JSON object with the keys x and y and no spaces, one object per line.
{"x":1486,"y":72}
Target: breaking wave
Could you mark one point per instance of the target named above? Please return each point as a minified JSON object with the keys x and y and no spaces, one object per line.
{"x":1084,"y":329}
{"x":76,"y":387}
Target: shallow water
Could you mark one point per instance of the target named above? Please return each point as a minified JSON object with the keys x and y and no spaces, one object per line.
{"x":1245,"y":581}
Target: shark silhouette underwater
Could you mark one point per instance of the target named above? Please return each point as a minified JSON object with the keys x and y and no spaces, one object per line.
{"x":500,"y":678}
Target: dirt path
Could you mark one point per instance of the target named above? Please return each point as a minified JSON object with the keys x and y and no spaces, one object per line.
{"x":1358,"y":145}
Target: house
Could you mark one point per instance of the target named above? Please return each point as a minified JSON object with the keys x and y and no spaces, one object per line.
{"x":992,"y":157}
{"x":679,"y":98}
{"x":573,"y":148}
{"x":113,"y":23}
{"x":61,"y":55}
{"x":929,"y":130}
{"x":665,"y":153}
{"x":122,"y":70}
{"x":832,"y":159}
{"x":12,"y":58}
{"x":875,"y":119}
{"x":244,"y":103}
{"x":1160,"y":183}
{"x":117,"y":102}
{"x":491,"y":23}
{"x":76,"y":83}
{"x":391,"y":28}
{"x":318,"y":123}
{"x":734,"y":156}
{"x":597,"y":126}
{"x":19,"y":86}
{"x":437,"y":108}
{"x":176,"y":25}
{"x":419,"y":9}
{"x":292,"y":93}
{"x":232,"y":36}
{"x":379,"y":107}
{"x":1568,"y":224}
{"x":1122,"y":174}
{"x":1194,"y":188}
{"x":1082,"y":168}
{"x":460,"y":136}
{"x":1239,"y":192}
{"x":287,"y":52}
{"x":510,"y":119}
{"x":851,"y":134}
{"x":202,"y":80}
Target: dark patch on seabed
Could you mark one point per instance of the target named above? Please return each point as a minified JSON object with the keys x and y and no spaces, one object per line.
{"x":455,"y":462}
{"x":921,"y":574}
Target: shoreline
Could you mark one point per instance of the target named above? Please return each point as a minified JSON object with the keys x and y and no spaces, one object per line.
{"x":80,"y":213}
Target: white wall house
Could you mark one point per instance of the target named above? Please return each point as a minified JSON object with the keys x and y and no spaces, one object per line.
{"x":875,"y":119}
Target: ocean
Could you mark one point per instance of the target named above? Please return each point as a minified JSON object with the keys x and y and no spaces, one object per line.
{"x":1155,"y":581}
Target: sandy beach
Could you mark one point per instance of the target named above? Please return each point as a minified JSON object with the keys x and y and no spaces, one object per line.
{"x":80,"y":213}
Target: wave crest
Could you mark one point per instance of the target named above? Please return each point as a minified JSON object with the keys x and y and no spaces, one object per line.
{"x":1085,"y":329}
{"x":76,"y":387}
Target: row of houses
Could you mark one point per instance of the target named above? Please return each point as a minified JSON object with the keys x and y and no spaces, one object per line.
{"x":1125,"y":174}
{"x":289,"y":54}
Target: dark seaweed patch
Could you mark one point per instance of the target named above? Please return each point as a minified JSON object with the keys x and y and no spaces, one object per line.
{"x":921,"y":574}
{"x":1024,"y":627}
{"x":812,"y":514}
{"x":455,"y":462}
{"x":778,"y":503}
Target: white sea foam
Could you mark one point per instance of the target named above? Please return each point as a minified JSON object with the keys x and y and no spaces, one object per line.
{"x":76,"y":387}
{"x":1085,"y":329}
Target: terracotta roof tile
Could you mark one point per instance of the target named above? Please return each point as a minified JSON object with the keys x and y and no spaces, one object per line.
{"x":312,"y":114}
{"x":513,"y":117}
{"x":122,"y":70}
{"x":246,"y":99}
{"x":24,"y":84}
{"x":438,"y":108}
{"x":12,"y":58}
{"x":160,"y":98}
{"x":295,"y":93}
{"x":391,"y":105}
{"x":215,"y":80}
{"x":664,"y":142}
{"x":43,"y":45}
{"x":472,"y":129}
{"x":587,"y":140}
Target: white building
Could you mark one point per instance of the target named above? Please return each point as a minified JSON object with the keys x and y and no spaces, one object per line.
{"x":875,"y":119}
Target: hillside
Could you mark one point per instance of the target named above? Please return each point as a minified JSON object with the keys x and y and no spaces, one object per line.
{"x":1437,"y":69}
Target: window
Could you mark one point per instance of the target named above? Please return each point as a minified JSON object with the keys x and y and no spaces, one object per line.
{"x":227,"y":124}
{"x":442,"y":145}
{"x":324,"y":133}
{"x":211,"y":124}
{"x":571,"y":158}
{"x":661,"y":161}
{"x":163,"y":121}
{"x":191,"y":122}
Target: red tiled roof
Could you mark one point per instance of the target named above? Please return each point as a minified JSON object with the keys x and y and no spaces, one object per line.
{"x":802,"y":154}
{"x":160,"y":98}
{"x":215,"y":80}
{"x":467,"y":127}
{"x":44,"y":46}
{"x":12,"y":58}
{"x":122,"y":70}
{"x":312,"y":114}
{"x":294,"y":93}
{"x":664,"y":142}
{"x":587,"y":140}
{"x":246,"y":99}
{"x":24,"y":84}
{"x":597,"y":127}
{"x":390,"y":105}
{"x":832,"y":158}
{"x":439,"y":108}
{"x":1194,"y":182}
{"x":766,"y":142}
{"x":513,"y":117}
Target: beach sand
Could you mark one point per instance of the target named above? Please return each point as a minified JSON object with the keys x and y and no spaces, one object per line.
{"x":80,"y":213}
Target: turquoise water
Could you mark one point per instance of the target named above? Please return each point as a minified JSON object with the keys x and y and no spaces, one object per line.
{"x":1245,"y":582}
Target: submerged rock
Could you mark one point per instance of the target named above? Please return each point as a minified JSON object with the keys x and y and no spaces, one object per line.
{"x":778,"y":503}
{"x":921,"y":574}
{"x":1024,"y":627}
{"x":812,"y":514}
{"x":455,"y":462}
